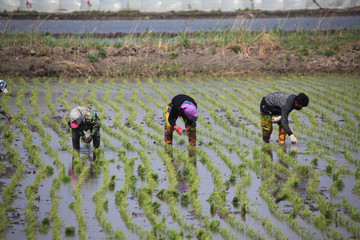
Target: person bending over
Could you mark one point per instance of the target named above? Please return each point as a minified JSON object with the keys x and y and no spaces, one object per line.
{"x":275,"y":108}
{"x":80,"y":120}
{"x":181,"y":106}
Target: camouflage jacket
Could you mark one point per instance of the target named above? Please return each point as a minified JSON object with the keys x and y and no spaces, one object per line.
{"x":92,"y":121}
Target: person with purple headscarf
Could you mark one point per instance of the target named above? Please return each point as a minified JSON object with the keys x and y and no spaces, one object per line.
{"x":181,"y":106}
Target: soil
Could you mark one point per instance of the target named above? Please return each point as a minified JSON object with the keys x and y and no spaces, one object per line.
{"x":254,"y":58}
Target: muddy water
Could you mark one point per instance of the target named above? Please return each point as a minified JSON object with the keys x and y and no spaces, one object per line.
{"x":221,"y":144}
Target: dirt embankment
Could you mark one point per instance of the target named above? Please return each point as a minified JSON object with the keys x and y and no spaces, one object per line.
{"x":253,"y":58}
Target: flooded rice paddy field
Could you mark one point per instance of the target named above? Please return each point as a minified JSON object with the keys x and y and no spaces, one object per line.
{"x":231,"y":186}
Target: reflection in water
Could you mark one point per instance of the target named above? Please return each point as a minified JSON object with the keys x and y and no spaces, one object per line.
{"x":77,"y":165}
{"x":181,"y":167}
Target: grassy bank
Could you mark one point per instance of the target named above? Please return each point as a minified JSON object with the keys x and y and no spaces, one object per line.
{"x":232,"y":51}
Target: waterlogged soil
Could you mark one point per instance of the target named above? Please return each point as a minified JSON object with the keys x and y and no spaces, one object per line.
{"x":223,"y":146}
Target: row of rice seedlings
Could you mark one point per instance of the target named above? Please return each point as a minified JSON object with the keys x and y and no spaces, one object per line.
{"x":329,"y":214}
{"x":34,"y":154}
{"x":101,"y":204}
{"x":121,"y":197}
{"x":64,"y":138}
{"x":310,"y":132}
{"x":8,"y":192}
{"x":172,"y":193}
{"x":269,"y":181}
{"x":351,"y":210}
{"x":98,"y":196}
{"x":145,"y":193}
{"x":335,"y":233}
{"x":193,"y":188}
{"x":82,"y":170}
{"x":149,"y":111}
{"x":245,"y":207}
{"x":224,"y":156}
{"x":228,"y":102}
{"x":329,"y":106}
{"x":55,"y":216}
{"x":201,"y":119}
{"x":218,"y":199}
{"x":338,"y":92}
{"x":338,"y":133}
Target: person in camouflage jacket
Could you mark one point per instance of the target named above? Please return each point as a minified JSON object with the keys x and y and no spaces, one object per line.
{"x":3,"y":89}
{"x":80,"y":120}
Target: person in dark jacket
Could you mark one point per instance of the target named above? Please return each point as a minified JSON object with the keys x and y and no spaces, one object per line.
{"x":3,"y":85}
{"x":275,"y":108}
{"x":181,"y":106}
{"x":83,"y":118}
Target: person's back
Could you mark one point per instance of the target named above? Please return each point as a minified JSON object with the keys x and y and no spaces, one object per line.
{"x":275,"y":108}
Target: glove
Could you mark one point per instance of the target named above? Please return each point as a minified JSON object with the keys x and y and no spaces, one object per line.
{"x":293,"y":139}
{"x":276,"y":119}
{"x":178,"y":129}
{"x":10,"y":116}
{"x":88,"y":139}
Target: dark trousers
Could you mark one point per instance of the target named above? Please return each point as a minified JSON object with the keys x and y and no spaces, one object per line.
{"x":76,"y":134}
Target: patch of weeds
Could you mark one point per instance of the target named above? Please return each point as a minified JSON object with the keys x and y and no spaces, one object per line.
{"x":304,"y":52}
{"x":44,"y":227}
{"x":141,"y":170}
{"x":71,"y":205}
{"x":93,"y":58}
{"x":118,"y":44}
{"x":174,"y":55}
{"x":111,"y":185}
{"x":339,"y":184}
{"x":49,"y":170}
{"x":304,"y":170}
{"x":213,"y":51}
{"x":160,"y":194}
{"x":1,"y":47}
{"x":101,"y":53}
{"x":334,"y":46}
{"x":214,"y":225}
{"x":154,"y":176}
{"x":184,"y":199}
{"x":70,"y":231}
{"x":357,"y":173}
{"x":287,"y":56}
{"x":236,"y":201}
{"x":314,"y":161}
{"x":105,"y":205}
{"x":236,"y":48}
{"x":186,"y":43}
{"x":202,"y":235}
{"x":328,"y":53}
{"x":328,"y":169}
{"x":182,"y":141}
{"x":281,"y":197}
{"x":66,"y":179}
{"x":156,"y":206}
{"x":232,"y":179}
